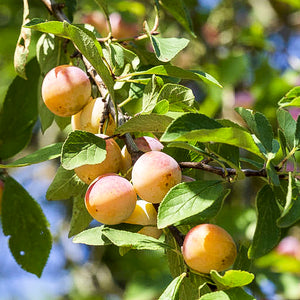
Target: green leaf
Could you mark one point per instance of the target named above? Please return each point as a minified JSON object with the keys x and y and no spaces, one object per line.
{"x":84,"y":40}
{"x":188,"y":199}
{"x":161,"y":108}
{"x":16,"y":129}
{"x":173,"y":71}
{"x":267,"y":234}
{"x":71,"y":8}
{"x":43,"y":154}
{"x":297,"y":133}
{"x":133,"y":240}
{"x":231,"y":278}
{"x":259,"y":125}
{"x":192,"y":127}
{"x":80,"y":217}
{"x":167,"y":48}
{"x":178,"y":10}
{"x":288,"y":126}
{"x":231,"y":294}
{"x":81,"y":148}
{"x":25,"y":224}
{"x":292,"y":98}
{"x":180,"y":97}
{"x":150,"y":95}
{"x":93,"y":236}
{"x":144,"y":123}
{"x":291,"y":211}
{"x":50,"y":52}
{"x":272,"y":173}
{"x":187,"y":123}
{"x":172,"y":290}
{"x":65,"y":185}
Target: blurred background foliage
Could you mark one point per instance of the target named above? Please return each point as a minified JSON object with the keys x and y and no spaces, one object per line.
{"x":253,"y":48}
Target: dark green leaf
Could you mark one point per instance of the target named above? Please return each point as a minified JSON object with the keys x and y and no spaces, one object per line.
{"x":150,"y":95}
{"x":171,"y":291}
{"x":242,"y":261}
{"x":167,"y":48}
{"x":81,"y":148}
{"x":292,"y":98}
{"x":133,"y":240}
{"x":231,"y":278}
{"x":71,"y":8}
{"x":80,"y":216}
{"x":93,"y":236}
{"x":144,"y":123}
{"x":180,"y":13}
{"x":272,"y":173}
{"x":267,"y":234}
{"x":173,"y":71}
{"x":65,"y":185}
{"x":175,"y":259}
{"x":50,"y":52}
{"x":194,"y":127}
{"x":259,"y":125}
{"x":297,"y":133}
{"x":46,"y":153}
{"x":288,"y":126}
{"x":180,"y":97}
{"x":188,"y":199}
{"x":116,"y":56}
{"x":84,"y":40}
{"x":25,"y":224}
{"x":16,"y":129}
{"x":291,"y":211}
{"x":187,"y":123}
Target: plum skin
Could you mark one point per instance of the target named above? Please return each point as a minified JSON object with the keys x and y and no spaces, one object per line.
{"x":154,"y":174}
{"x":66,"y":90}
{"x":145,"y":144}
{"x":145,"y":214}
{"x":110,"y":199}
{"x":208,"y":247}
{"x":88,"y":119}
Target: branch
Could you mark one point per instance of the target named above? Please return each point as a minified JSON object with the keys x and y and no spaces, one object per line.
{"x":226,"y":172}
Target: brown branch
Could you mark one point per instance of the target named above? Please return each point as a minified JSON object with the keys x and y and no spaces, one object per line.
{"x":225,"y":172}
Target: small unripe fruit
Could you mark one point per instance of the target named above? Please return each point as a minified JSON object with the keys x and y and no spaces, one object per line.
{"x":89,"y":118}
{"x":111,"y":164}
{"x":145,"y":214}
{"x":110,"y":199}
{"x":145,"y":144}
{"x":154,"y":174}
{"x":208,"y":247}
{"x":66,"y":90}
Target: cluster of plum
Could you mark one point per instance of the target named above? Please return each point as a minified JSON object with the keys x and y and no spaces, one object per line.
{"x":121,"y":193}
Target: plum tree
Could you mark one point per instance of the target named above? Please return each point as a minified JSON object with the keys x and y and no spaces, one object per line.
{"x":66,"y":90}
{"x":145,"y":214}
{"x":110,"y":199}
{"x":145,"y":144}
{"x":154,"y":174}
{"x":89,"y":118}
{"x":111,"y":163}
{"x":208,"y":247}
